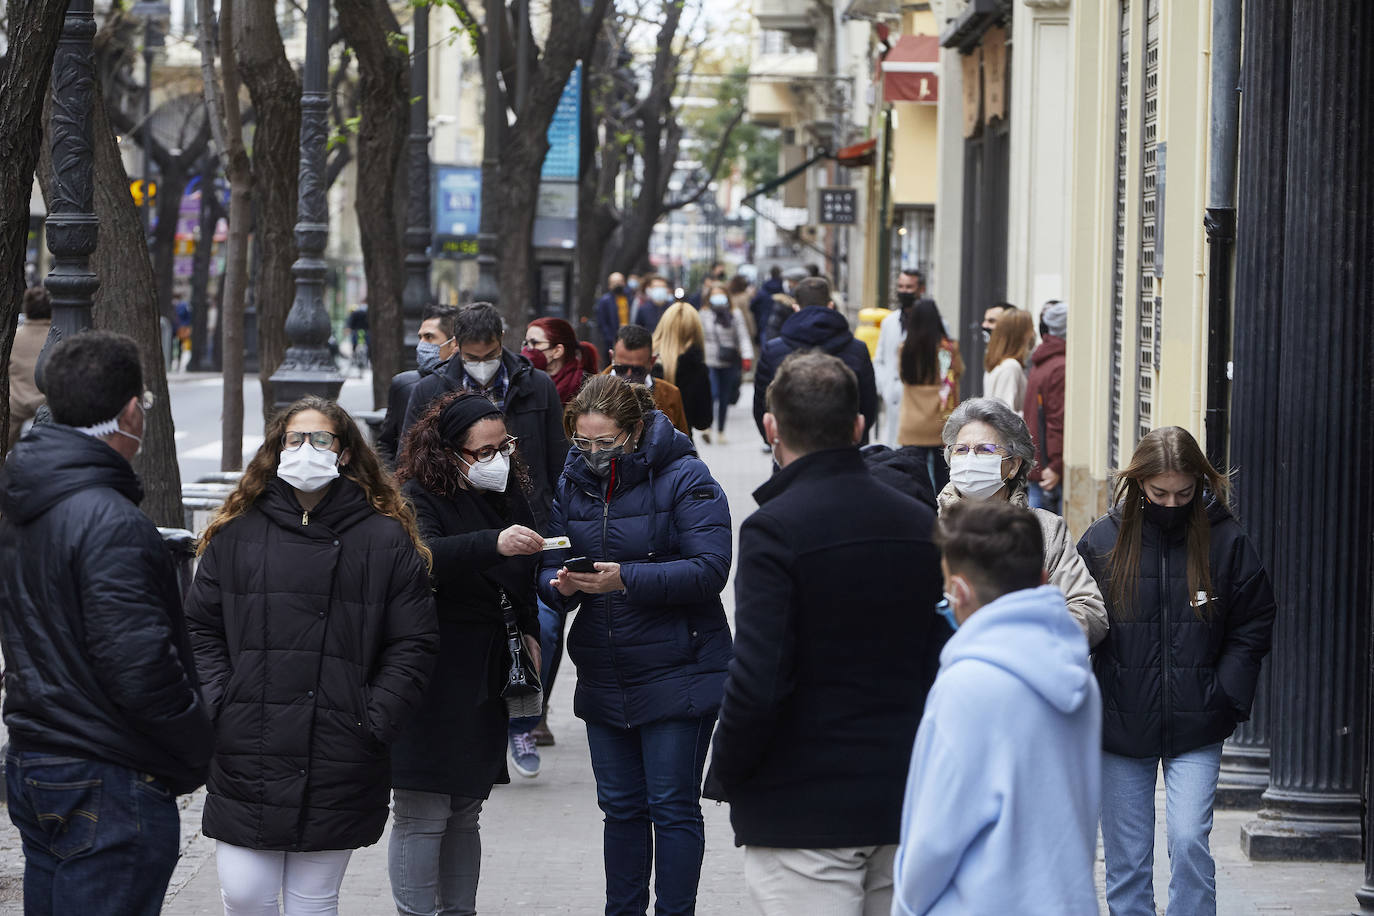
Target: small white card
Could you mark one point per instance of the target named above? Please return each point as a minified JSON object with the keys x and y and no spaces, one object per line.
{"x":557,"y":543}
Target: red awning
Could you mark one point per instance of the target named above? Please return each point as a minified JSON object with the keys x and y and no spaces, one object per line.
{"x":911,"y":70}
{"x":858,"y":155}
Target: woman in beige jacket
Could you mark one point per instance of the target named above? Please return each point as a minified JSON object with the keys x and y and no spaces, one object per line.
{"x":989,"y":451}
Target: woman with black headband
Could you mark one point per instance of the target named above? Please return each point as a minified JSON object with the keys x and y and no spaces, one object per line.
{"x":461,"y":469}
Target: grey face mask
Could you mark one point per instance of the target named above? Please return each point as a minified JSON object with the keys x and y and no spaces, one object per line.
{"x":427,"y":356}
{"x":600,"y":461}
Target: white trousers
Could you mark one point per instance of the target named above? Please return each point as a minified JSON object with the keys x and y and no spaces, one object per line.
{"x":252,"y":880}
{"x":847,"y":881}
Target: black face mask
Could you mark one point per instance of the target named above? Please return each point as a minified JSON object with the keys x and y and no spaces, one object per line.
{"x":618,"y":290}
{"x":1168,"y":518}
{"x":906,"y":300}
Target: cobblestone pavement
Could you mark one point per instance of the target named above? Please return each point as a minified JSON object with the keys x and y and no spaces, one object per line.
{"x":541,"y":837}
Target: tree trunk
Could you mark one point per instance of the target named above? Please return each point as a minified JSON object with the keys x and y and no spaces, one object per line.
{"x":126,"y":301}
{"x":371,"y":30}
{"x":276,"y":93}
{"x":170,"y":188}
{"x":202,"y":349}
{"x":24,"y":73}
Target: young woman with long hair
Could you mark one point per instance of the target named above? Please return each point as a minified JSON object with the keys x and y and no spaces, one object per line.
{"x":314,"y":634}
{"x":650,"y":639}
{"x":1191,"y":612}
{"x":551,"y":344}
{"x":461,"y":468}
{"x":930,"y":370}
{"x":1004,"y":364}
{"x":680,"y":344}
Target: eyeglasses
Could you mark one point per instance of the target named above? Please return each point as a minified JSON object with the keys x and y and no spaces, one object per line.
{"x":588,"y":445}
{"x":488,"y":452}
{"x":978,"y":448}
{"x":632,"y":373}
{"x":535,"y":344}
{"x":147,"y":400}
{"x":321,"y":440}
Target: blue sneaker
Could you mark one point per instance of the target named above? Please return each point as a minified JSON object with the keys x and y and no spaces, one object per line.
{"x":524,"y":756}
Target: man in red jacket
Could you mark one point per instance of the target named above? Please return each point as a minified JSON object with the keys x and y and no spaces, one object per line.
{"x":1044,"y":408}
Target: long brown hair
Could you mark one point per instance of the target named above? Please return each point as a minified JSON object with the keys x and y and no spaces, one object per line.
{"x":677,"y":332}
{"x":1010,"y":338}
{"x":432,"y":461}
{"x":1167,"y":450}
{"x":363,"y":468}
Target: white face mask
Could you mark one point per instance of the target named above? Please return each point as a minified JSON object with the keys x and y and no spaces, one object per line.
{"x":482,"y":373}
{"x":308,"y":469}
{"x":976,"y":477}
{"x":489,"y":475}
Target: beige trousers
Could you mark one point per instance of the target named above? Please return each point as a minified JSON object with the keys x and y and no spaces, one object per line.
{"x":844,"y":881}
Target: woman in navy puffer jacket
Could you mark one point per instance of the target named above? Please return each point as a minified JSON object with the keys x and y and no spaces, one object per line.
{"x":650,"y":642}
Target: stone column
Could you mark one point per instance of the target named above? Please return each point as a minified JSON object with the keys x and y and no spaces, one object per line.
{"x":1255,"y":344}
{"x":1322,"y":435}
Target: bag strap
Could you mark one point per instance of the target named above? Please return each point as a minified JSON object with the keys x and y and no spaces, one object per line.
{"x":508,"y":613}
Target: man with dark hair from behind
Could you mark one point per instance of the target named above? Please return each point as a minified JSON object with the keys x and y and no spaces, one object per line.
{"x":1003,"y":797}
{"x":836,"y":641}
{"x":434,"y":345}
{"x":817,"y":325}
{"x":105,"y":720}
{"x":25,"y":398}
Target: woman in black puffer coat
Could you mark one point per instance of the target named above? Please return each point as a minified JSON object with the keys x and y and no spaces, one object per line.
{"x":470,"y":492}
{"x":1191,"y":612}
{"x":314,"y":633}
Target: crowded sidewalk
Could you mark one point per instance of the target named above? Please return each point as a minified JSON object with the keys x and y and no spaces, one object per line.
{"x":542,"y":837}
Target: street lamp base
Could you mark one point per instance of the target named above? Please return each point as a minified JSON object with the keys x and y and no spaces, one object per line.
{"x":1305,"y":827}
{"x":290,"y":385}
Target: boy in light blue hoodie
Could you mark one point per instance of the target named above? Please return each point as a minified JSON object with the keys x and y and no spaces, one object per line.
{"x":1005,"y":782}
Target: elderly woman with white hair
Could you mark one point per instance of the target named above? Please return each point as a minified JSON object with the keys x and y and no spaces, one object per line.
{"x":990,"y":452}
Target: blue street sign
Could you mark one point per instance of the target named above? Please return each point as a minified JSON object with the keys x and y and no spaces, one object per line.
{"x":565,"y":133}
{"x":457,"y":210}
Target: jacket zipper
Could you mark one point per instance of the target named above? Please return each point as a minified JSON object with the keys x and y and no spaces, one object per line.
{"x":605,"y":534}
{"x":305,"y":516}
{"x":1164,"y":640}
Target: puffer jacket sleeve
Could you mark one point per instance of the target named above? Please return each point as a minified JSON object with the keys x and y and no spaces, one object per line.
{"x":1249,"y":628}
{"x":1070,"y":574}
{"x":205,"y":626}
{"x":410,"y":643}
{"x":701,"y":518}
{"x":130,"y":639}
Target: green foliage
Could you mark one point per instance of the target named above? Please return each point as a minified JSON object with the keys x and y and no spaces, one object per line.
{"x":753,"y":147}
{"x":349,"y":128}
{"x":467,"y":26}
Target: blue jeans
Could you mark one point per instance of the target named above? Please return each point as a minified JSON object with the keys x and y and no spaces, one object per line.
{"x":1128,"y":831}
{"x":550,"y":647}
{"x":98,"y":837}
{"x":724,"y":391}
{"x":1046,"y":499}
{"x":648,"y":784}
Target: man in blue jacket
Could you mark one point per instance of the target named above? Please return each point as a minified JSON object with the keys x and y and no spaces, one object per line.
{"x":1002,"y":801}
{"x":106,"y":724}
{"x":831,"y":665}
{"x":817,"y":325}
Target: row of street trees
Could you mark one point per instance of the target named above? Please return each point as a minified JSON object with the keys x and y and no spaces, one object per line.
{"x":241,"y":130}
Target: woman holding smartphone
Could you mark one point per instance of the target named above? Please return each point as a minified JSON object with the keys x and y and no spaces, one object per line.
{"x":650,"y":641}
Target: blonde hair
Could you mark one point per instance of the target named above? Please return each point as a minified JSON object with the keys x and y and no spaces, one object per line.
{"x":678,"y":331}
{"x":363,"y":469}
{"x":1012,"y":334}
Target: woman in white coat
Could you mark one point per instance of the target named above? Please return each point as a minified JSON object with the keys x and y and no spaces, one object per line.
{"x":887,"y":357}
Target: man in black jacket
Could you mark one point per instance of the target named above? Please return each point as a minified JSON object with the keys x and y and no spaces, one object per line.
{"x":434,"y":346}
{"x":104,"y":713}
{"x":817,"y":325}
{"x":836,"y":644}
{"x":526,"y":396}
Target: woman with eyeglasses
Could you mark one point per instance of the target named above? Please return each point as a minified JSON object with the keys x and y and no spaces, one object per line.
{"x":551,"y":344}
{"x":990,"y":453}
{"x":650,"y":640}
{"x":1192,"y":615}
{"x":461,"y":469}
{"x":314,"y":633}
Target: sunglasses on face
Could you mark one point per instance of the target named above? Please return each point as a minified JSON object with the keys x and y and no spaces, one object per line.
{"x":630,"y":373}
{"x":321,"y":440}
